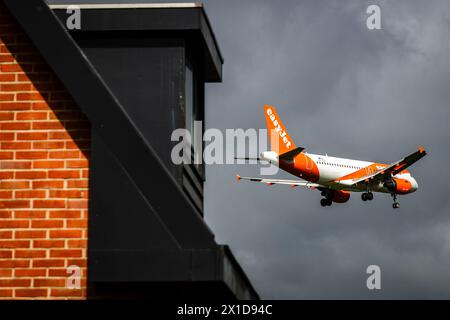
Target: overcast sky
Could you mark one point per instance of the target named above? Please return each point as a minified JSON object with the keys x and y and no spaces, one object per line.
{"x":350,"y":92}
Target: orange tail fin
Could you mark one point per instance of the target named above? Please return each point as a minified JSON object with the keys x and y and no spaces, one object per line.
{"x":279,"y":138}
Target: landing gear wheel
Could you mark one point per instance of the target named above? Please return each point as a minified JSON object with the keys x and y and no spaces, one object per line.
{"x":369,"y":196}
{"x":325,"y":202}
{"x":364,"y":197}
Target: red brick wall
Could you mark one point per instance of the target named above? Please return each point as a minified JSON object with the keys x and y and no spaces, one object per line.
{"x":44,"y":147}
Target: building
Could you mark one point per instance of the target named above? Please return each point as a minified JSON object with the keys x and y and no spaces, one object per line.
{"x":86,"y":178}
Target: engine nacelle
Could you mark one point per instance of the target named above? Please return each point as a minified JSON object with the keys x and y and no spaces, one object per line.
{"x":398,"y":185}
{"x":340,"y":196}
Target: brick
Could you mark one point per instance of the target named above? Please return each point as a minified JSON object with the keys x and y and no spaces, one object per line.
{"x":7,"y":77}
{"x":14,"y":263}
{"x":63,"y":174}
{"x":62,"y":234}
{"x":41,"y":105}
{"x":46,"y":263}
{"x":51,"y":164}
{"x":5,"y":175}
{"x":15,"y":145}
{"x":29,"y":194}
{"x":31,"y":293}
{"x":66,"y":293}
{"x":60,"y":135}
{"x":78,"y":183}
{"x":5,"y":273}
{"x":5,"y":195}
{"x":32,"y":135}
{"x":6,"y":116}
{"x":77,"y":223}
{"x":47,"y":224}
{"x":64,"y":154}
{"x":29,"y":214}
{"x":13,"y":224}
{"x":15,"y":125}
{"x":31,"y":116}
{"x":6,"y":254}
{"x":14,"y":184}
{"x":77,"y":163}
{"x":77,"y":204}
{"x":47,"y":184}
{"x":13,"y":244}
{"x":66,"y":253}
{"x":47,"y":125}
{"x":48,"y":244}
{"x":31,"y":174}
{"x":6,"y":97}
{"x":10,"y":204}
{"x":65,"y":214}
{"x":15,"y":164}
{"x":14,"y":106}
{"x":15,"y":282}
{"x":48,"y":145}
{"x":57,"y":272}
{"x":49,"y":203}
{"x":29,"y":254}
{"x":77,"y":243}
{"x":6,"y":155}
{"x":66,"y":194}
{"x":6,"y":136}
{"x":29,"y":273}
{"x":30,"y":234}
{"x":49,"y":282}
{"x":15,"y":87}
{"x":5,"y":234}
{"x":82,"y":263}
{"x":34,"y":96}
{"x":31,"y":155}
{"x":6,"y":293}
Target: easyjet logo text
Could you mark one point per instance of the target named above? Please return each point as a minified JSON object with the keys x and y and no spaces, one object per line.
{"x":278,"y":128}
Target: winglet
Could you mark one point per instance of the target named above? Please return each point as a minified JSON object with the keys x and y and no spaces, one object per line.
{"x":421,"y":149}
{"x":238,"y":178}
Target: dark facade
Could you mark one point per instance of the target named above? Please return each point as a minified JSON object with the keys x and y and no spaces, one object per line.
{"x":138,"y":74}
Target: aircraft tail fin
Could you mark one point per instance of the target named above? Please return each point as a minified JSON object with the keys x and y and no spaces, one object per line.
{"x":279,"y":138}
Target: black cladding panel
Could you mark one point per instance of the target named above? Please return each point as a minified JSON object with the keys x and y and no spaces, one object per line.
{"x":147,"y":76}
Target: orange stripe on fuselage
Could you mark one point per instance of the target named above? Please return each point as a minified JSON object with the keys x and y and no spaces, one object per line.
{"x":302,"y":166}
{"x":370,"y":169}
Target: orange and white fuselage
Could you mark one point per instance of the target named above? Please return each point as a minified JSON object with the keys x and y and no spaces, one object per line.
{"x":334,"y":177}
{"x":325,"y":170}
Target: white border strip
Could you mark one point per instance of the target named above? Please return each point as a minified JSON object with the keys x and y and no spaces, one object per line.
{"x":129,"y":5}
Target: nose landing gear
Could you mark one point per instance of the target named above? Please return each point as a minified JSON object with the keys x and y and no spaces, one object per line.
{"x":395,"y":205}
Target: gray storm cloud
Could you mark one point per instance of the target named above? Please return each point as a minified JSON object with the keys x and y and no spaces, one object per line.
{"x":351,"y":92}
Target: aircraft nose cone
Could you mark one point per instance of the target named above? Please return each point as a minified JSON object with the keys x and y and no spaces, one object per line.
{"x":414,"y":184}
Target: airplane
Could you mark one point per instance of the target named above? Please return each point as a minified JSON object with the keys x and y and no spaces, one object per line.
{"x":334,"y":177}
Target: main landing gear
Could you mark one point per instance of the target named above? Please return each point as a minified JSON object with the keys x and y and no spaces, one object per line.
{"x":367,"y":196}
{"x":325,"y":202}
{"x":395,"y":205}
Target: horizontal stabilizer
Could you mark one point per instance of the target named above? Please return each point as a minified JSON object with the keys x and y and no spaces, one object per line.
{"x":291,"y":154}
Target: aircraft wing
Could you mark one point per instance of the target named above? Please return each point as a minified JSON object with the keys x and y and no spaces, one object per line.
{"x":390,"y":170}
{"x":292,"y":183}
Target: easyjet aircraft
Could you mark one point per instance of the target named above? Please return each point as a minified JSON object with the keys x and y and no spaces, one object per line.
{"x":334,"y":177}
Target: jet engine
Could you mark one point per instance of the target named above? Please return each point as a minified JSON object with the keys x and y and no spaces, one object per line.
{"x":340,"y":196}
{"x":398,"y":186}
